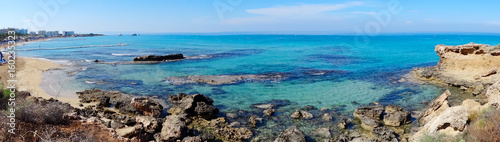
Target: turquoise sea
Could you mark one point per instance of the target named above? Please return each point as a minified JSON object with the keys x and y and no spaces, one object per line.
{"x":358,"y":72}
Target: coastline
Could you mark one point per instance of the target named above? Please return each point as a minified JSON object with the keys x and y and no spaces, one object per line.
{"x":29,"y":75}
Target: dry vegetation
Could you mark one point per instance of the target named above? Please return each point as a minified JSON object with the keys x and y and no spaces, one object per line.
{"x":486,"y":128}
{"x":44,"y":121}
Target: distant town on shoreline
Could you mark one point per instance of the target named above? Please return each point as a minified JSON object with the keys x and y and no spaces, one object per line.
{"x":23,"y":35}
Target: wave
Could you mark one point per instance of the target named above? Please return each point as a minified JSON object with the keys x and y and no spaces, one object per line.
{"x":199,"y":57}
{"x":116,"y":54}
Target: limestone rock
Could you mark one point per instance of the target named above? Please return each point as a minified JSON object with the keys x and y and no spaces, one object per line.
{"x":435,"y":107}
{"x":374,"y":112}
{"x":174,"y":128}
{"x":150,"y":124}
{"x":326,"y":117}
{"x":194,"y":105}
{"x":147,"y":106}
{"x":385,"y":134}
{"x":396,"y":116}
{"x":368,"y":123}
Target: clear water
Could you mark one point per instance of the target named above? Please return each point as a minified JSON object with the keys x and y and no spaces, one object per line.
{"x":369,"y":70}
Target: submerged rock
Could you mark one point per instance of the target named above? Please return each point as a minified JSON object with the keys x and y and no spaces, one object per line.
{"x":159,"y":58}
{"x":224,"y":79}
{"x":269,"y":112}
{"x":292,"y":134}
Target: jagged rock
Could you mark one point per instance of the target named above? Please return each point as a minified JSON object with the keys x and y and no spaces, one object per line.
{"x":495,"y":53}
{"x":324,"y":132}
{"x":128,"y":132}
{"x":435,"y":107}
{"x":234,"y":134}
{"x":192,"y":139}
{"x":159,"y":58}
{"x":490,"y":72}
{"x":103,"y":101}
{"x":493,"y":95}
{"x":462,"y":49}
{"x":343,"y":122}
{"x":115,"y":125}
{"x":453,"y":117}
{"x":269,"y":112}
{"x":368,"y":123}
{"x":195,"y":105}
{"x":343,"y":138}
{"x":385,"y":134}
{"x":174,"y":128}
{"x":396,"y":116}
{"x":253,"y":121}
{"x":150,"y":124}
{"x":147,"y":106}
{"x":300,"y":114}
{"x":292,"y":134}
{"x":374,"y":112}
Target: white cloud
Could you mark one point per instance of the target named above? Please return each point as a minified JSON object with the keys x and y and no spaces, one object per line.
{"x":287,"y":14}
{"x":306,"y":9}
{"x":364,"y":12}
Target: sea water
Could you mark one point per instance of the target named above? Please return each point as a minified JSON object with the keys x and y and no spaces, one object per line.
{"x":364,"y":71}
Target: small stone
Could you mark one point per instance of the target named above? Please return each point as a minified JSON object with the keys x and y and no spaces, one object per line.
{"x":269,"y":112}
{"x":301,"y":115}
{"x":323,"y":109}
{"x":326,"y":117}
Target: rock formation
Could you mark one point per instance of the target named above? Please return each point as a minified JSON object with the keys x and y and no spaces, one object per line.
{"x":159,"y":58}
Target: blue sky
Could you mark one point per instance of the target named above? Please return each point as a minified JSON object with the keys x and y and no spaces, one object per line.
{"x":276,"y":16}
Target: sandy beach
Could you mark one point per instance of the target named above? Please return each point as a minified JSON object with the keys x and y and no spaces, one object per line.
{"x":29,"y":76}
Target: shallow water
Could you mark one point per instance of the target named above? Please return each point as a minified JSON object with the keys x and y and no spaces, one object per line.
{"x":367,"y":71}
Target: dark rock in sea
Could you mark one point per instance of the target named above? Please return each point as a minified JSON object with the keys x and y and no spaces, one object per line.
{"x":96,"y":61}
{"x":194,"y":105}
{"x":292,"y":134}
{"x":253,"y":121}
{"x":174,"y":128}
{"x":271,"y":104}
{"x":146,"y":106}
{"x":224,"y":79}
{"x":309,"y":107}
{"x":103,"y":101}
{"x":396,"y":116}
{"x":385,"y":134}
{"x":326,"y":117}
{"x":159,"y":58}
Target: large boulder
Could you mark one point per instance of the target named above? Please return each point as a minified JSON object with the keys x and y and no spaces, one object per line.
{"x":435,"y":107}
{"x":493,"y":95}
{"x":368,"y":123}
{"x":159,"y":58}
{"x":374,"y":112}
{"x":292,"y":134}
{"x":146,"y":106}
{"x":150,"y":124}
{"x":454,"y":117}
{"x":174,"y":128}
{"x":396,"y":116}
{"x":194,"y":105}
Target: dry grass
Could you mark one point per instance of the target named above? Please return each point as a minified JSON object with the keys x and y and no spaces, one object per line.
{"x":486,"y":128}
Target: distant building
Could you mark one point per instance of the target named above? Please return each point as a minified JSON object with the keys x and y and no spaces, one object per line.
{"x":52,"y":33}
{"x":4,"y":31}
{"x":68,"y":33}
{"x":42,"y":33}
{"x":21,"y":31}
{"x":32,"y":33}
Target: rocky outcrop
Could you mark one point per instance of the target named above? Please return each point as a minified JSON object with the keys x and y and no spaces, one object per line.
{"x":174,"y":128}
{"x":470,"y":66}
{"x":292,"y":134}
{"x":159,"y":58}
{"x":435,"y":107}
{"x":147,"y":106}
{"x":396,"y":116}
{"x":269,"y":112}
{"x":123,"y":102}
{"x":374,"y":112}
{"x":194,"y":105}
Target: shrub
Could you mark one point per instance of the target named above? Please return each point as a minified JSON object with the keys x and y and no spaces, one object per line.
{"x":50,"y":113}
{"x":485,"y":128}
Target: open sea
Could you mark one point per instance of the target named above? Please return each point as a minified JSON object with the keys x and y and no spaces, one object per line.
{"x":331,"y":71}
